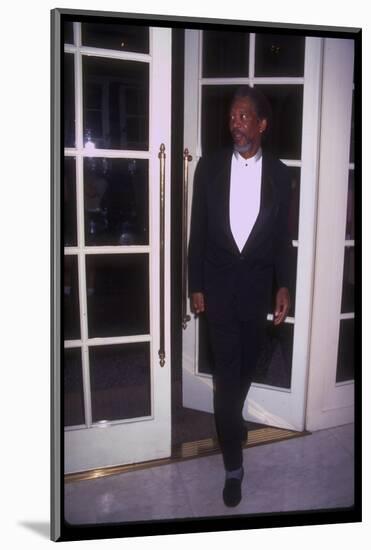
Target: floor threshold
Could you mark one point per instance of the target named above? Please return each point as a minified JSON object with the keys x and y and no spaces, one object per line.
{"x":189,"y":450}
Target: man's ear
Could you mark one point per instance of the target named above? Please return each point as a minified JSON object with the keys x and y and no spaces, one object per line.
{"x":263,"y":125}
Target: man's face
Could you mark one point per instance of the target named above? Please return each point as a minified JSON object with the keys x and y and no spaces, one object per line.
{"x":246,"y":128}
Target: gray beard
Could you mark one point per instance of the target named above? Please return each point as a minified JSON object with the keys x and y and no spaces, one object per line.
{"x":243,"y":148}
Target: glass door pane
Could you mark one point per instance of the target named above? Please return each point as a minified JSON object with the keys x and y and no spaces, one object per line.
{"x":128,"y":38}
{"x":68,"y":32}
{"x":225,"y":53}
{"x":279,"y":55}
{"x":116,"y":103}
{"x":71,"y":301}
{"x":117,"y":294}
{"x":121,"y":381}
{"x":285,"y":135}
{"x":69,"y":100}
{"x":116,"y":201}
{"x":74,"y":414}
{"x":345,"y":360}
{"x":69,"y":202}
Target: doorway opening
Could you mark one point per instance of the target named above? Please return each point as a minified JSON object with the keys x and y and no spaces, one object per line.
{"x":192,"y":431}
{"x":189,"y":426}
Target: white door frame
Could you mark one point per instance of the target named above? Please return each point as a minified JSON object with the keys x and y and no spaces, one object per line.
{"x":109,"y":443}
{"x":331,"y":403}
{"x":266,"y":404}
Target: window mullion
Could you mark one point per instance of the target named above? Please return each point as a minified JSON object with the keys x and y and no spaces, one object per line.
{"x":252,"y":58}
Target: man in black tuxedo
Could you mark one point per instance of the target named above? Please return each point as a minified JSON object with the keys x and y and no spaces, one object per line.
{"x":239,"y":242}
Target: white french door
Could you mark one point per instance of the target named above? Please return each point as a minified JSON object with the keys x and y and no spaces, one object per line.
{"x":117,"y":94}
{"x":276,"y":402}
{"x":331,"y":382}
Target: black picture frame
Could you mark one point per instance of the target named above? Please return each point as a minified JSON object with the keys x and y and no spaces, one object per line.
{"x":61,"y":530}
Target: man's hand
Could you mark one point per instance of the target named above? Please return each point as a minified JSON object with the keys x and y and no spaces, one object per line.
{"x":197,"y":302}
{"x":282,"y":305}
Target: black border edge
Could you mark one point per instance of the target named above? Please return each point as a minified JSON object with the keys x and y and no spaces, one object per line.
{"x":55,"y":286}
{"x":62,"y":530}
{"x":358,"y":271}
{"x":181,"y":526}
{"x":202,"y":21}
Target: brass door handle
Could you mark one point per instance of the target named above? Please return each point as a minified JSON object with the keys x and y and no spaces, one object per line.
{"x":186,"y":159}
{"x":162,"y":157}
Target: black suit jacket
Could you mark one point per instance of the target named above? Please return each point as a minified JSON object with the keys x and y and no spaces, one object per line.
{"x":233,"y":281}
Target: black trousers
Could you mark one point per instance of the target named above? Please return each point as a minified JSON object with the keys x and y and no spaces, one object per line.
{"x":236,"y":347}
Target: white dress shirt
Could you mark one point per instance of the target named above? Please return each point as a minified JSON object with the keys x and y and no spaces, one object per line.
{"x":244,"y":198}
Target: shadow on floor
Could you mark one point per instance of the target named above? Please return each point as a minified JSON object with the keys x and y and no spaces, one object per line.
{"x":42,"y":528}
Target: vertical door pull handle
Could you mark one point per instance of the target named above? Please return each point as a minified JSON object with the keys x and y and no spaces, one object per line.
{"x":186,"y":159}
{"x":162,"y":157}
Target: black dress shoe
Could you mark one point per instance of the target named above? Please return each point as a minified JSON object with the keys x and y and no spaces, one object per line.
{"x":232,"y":491}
